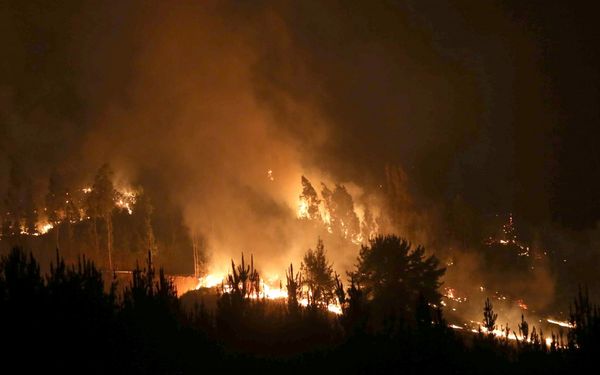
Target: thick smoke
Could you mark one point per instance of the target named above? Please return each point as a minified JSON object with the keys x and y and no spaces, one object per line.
{"x":224,"y":106}
{"x":183,"y":95}
{"x":194,"y":118}
{"x":219,"y":108}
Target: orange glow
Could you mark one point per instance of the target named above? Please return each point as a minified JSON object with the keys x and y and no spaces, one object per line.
{"x":560,"y":323}
{"x":269,"y":290}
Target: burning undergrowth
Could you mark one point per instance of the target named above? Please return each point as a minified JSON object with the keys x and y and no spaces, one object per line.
{"x":111,"y":219}
{"x":515,"y":276}
{"x":218,"y":111}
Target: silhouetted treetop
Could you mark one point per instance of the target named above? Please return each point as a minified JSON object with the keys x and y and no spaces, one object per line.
{"x":392,"y":275}
{"x":317,"y":276}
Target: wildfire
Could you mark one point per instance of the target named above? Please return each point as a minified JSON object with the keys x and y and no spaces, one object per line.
{"x":559,"y":323}
{"x":268,"y":290}
{"x":126,"y":200}
{"x":336,"y":211}
{"x":501,"y":334}
{"x":209,"y":281}
{"x":326,"y":217}
{"x":522,"y":304}
{"x":452,"y":295}
{"x":43,"y":227}
{"x":273,"y":293}
{"x":303,"y":209}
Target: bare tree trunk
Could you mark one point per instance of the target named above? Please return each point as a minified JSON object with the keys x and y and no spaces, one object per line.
{"x":57,"y":229}
{"x":194,"y":250}
{"x":109,"y":240}
{"x":69,"y":236}
{"x":96,"y":239}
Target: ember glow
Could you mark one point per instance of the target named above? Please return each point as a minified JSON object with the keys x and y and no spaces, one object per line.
{"x":337,"y":212}
{"x":44,"y":227}
{"x":210,"y":281}
{"x":303,"y":209}
{"x":125,"y":200}
{"x":522,"y":304}
{"x":442,"y":156}
{"x":560,"y":323}
{"x":500,"y":333}
{"x":271,"y":289}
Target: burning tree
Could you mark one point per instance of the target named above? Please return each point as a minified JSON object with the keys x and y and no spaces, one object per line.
{"x":335,"y":210}
{"x":347,"y":221}
{"x":508,"y":230}
{"x":368,"y":227}
{"x":317,"y":276}
{"x":309,"y":201}
{"x":340,"y":206}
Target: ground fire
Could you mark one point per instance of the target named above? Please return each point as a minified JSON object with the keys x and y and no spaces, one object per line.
{"x":340,"y":187}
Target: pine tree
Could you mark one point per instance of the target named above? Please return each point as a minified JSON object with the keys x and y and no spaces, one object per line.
{"x":317,"y":276}
{"x":524,"y":328}
{"x":310,"y":198}
{"x":293,"y":286}
{"x":489,"y":317}
{"x":392,"y":275}
{"x":244,"y":280}
{"x":348,"y":224}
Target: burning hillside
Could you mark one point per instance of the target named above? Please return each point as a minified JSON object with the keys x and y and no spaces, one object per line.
{"x":117,"y":225}
{"x":335,"y":210}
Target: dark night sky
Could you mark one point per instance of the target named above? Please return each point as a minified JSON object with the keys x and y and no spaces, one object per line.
{"x":493,"y":101}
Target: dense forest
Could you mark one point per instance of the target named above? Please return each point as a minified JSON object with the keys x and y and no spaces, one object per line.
{"x":113,"y":225}
{"x":339,"y":187}
{"x":391,"y":321}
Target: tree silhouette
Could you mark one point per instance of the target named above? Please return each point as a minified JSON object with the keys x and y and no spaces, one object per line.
{"x":21,"y":214}
{"x":310,"y":198}
{"x":100,"y":204}
{"x":293,"y":286}
{"x":56,"y":201}
{"x":145,"y":330}
{"x":489,"y":317}
{"x":144,"y":238}
{"x":392,"y":276}
{"x":244,"y":280}
{"x":339,"y":290}
{"x":317,"y":276}
{"x":343,"y":209}
{"x":524,"y":328}
{"x":72,"y":215}
{"x":340,"y":206}
{"x":585,"y":320}
{"x":355,"y":314}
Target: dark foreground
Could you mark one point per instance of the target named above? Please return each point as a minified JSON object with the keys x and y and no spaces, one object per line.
{"x":68,"y":322}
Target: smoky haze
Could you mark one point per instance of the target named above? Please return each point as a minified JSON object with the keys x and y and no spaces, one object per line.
{"x":198,"y":101}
